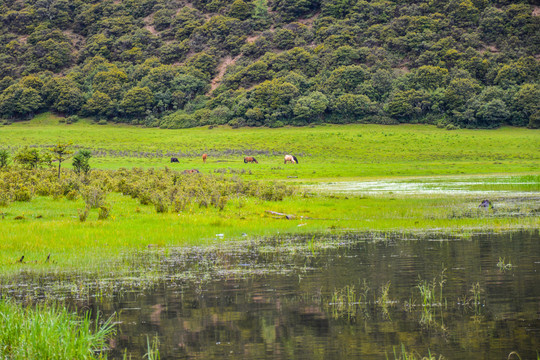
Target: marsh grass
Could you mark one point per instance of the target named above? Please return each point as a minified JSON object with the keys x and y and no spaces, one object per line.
{"x":87,"y":222}
{"x":50,"y":332}
{"x":152,"y":349}
{"x":55,"y":226}
{"x":503,"y":265}
{"x":411,"y":355}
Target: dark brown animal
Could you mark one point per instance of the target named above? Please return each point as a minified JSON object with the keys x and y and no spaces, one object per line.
{"x":250,"y":159}
{"x":192,"y":171}
{"x":204,"y":156}
{"x":174,"y":160}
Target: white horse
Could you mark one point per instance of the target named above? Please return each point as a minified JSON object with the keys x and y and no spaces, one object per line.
{"x":291,"y":158}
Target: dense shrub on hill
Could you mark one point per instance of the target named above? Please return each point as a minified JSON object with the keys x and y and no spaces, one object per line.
{"x":171,"y":63}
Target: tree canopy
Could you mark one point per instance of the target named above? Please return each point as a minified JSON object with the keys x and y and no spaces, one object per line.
{"x":272,"y":62}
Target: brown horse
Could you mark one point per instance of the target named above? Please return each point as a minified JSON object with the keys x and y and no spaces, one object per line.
{"x":291,"y":158}
{"x":250,"y":159}
{"x":204,"y":156}
{"x":192,"y":171}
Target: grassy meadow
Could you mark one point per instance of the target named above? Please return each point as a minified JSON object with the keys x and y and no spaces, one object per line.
{"x":51,"y":224}
{"x":324,"y":152}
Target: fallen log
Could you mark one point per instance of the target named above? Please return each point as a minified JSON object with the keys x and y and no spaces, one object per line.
{"x":286,"y":216}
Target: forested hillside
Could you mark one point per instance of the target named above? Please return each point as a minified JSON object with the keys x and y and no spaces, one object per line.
{"x":456,"y":63}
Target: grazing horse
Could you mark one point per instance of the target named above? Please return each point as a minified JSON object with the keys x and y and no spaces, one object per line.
{"x":291,"y":158}
{"x":192,"y":171}
{"x":250,"y":159}
{"x":173,"y":159}
{"x":204,"y":156}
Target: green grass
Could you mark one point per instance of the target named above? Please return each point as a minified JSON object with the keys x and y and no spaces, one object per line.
{"x":411,"y":153}
{"x":333,"y":151}
{"x":49,"y":332}
{"x":52,"y":226}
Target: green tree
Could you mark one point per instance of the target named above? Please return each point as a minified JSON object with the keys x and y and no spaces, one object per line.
{"x":345,"y":79}
{"x":99,"y":104}
{"x":275,"y":95}
{"x":136,"y":101}
{"x":525,"y":102}
{"x":408,"y":104}
{"x":19,"y":100}
{"x":459,"y":91}
{"x":81,"y":161}
{"x":493,"y":114}
{"x":163,"y":18}
{"x":61,"y":152}
{"x":240,"y":10}
{"x":284,"y":39}
{"x":430,"y":77}
{"x":312,"y":107}
{"x":352,"y":107}
{"x":110,"y":82}
{"x":63,"y":95}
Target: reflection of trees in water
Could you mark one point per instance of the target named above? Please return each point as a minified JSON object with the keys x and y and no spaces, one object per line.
{"x":259,"y":303}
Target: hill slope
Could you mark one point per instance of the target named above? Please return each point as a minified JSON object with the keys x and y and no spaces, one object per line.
{"x":180,"y":64}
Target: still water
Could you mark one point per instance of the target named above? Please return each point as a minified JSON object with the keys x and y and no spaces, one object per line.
{"x":339,"y":296}
{"x":345,"y":296}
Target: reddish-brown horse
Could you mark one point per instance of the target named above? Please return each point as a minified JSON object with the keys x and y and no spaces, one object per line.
{"x":250,"y":159}
{"x":204,"y":156}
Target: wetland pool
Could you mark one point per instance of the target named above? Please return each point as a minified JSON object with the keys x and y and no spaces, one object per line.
{"x":339,"y":296}
{"x":485,"y":186}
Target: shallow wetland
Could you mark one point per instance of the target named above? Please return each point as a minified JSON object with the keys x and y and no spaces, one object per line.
{"x":378,"y":257}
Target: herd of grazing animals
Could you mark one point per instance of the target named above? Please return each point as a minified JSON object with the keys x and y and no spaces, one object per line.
{"x":248,"y":159}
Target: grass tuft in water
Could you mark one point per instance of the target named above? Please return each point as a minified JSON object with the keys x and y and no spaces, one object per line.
{"x":153,"y":349}
{"x":405,"y":355}
{"x":503,"y":266}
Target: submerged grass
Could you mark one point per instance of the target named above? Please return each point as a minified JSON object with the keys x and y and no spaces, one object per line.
{"x":50,"y":332}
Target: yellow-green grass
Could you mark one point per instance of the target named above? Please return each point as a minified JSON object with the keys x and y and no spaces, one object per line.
{"x":53,"y":227}
{"x":333,"y":151}
{"x":328,"y":153}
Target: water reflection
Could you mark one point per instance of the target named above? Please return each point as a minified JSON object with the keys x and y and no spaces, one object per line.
{"x":339,"y":297}
{"x":291,"y":314}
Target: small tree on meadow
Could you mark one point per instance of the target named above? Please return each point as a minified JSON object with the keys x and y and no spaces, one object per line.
{"x":81,"y":161}
{"x":61,"y":152}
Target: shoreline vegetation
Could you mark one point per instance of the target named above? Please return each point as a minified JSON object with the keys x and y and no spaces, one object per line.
{"x":49,"y":331}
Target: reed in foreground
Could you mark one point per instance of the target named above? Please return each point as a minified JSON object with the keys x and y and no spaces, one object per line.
{"x":50,"y":332}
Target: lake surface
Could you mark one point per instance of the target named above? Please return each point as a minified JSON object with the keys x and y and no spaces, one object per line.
{"x":344,"y":296}
{"x":341,"y":296}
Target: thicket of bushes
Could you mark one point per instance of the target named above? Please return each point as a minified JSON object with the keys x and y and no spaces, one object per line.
{"x":458,"y":63}
{"x":165,"y":189}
